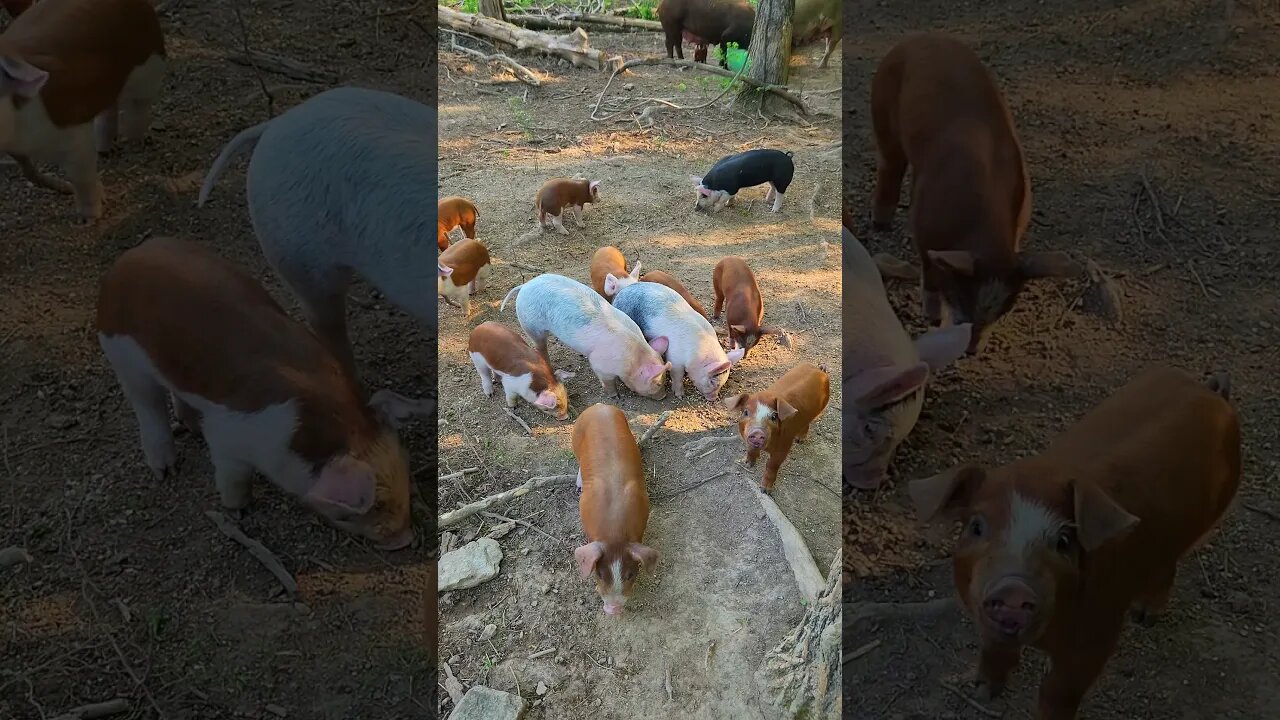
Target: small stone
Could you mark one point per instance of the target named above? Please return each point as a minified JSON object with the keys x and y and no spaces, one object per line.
{"x":629,"y":86}
{"x":541,"y":689}
{"x":60,"y":422}
{"x":482,"y":703}
{"x":488,"y":632}
{"x":469,"y":565}
{"x":545,"y":588}
{"x":501,"y":531}
{"x":276,"y":710}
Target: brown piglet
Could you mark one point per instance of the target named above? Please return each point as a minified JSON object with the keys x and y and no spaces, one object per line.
{"x":558,"y":195}
{"x":614,"y":504}
{"x":936,"y":108}
{"x":73,"y":72}
{"x":498,"y":352}
{"x":609,"y":272}
{"x":738,"y":294}
{"x":775,"y":418}
{"x":454,"y":212}
{"x":663,"y":278}
{"x":180,"y":324}
{"x":1056,"y":548}
{"x":462,"y":271}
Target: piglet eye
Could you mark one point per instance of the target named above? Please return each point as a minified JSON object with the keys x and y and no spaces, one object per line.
{"x":977,"y":527}
{"x":1066,"y":541}
{"x":745,"y":413}
{"x":773,"y":417}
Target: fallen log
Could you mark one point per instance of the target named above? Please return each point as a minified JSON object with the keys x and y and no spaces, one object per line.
{"x":803,"y":671}
{"x":569,"y":21}
{"x":574,"y":47}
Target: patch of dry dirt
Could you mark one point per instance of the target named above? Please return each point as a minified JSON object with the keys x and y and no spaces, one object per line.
{"x":1100,"y":94}
{"x":205,"y":632}
{"x":722,"y":594}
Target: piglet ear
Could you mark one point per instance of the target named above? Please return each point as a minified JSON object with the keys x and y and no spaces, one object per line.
{"x":720,"y":367}
{"x":947,"y":492}
{"x":785,"y":409}
{"x":660,"y":344}
{"x":1099,"y":519}
{"x":736,"y":355}
{"x":610,"y":285}
{"x":635,"y":271}
{"x":697,"y":181}
{"x":885,"y":385}
{"x":587,"y":556}
{"x":18,"y":77}
{"x":942,"y":346}
{"x":956,"y":261}
{"x":645,"y":555}
{"x":594,"y":186}
{"x":346,"y":485}
{"x":393,"y":408}
{"x":545,"y":399}
{"x":444,"y":270}
{"x":735,"y":401}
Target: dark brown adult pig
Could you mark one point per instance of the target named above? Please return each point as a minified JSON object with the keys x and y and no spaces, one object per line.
{"x":1058,"y":547}
{"x":706,"y":22}
{"x":814,"y":19}
{"x":936,"y":107}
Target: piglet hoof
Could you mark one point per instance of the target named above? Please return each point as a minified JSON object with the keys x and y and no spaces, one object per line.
{"x":749,"y":461}
{"x":983,"y":689}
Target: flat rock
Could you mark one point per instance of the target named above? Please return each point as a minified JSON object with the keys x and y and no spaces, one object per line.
{"x":482,"y":703}
{"x":469,"y":565}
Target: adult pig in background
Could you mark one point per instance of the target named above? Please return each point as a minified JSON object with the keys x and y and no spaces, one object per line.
{"x":71,"y":72}
{"x":580,"y":318}
{"x":706,"y":22}
{"x":692,"y":346}
{"x":180,"y":324}
{"x":884,"y":371}
{"x":1057,"y":548}
{"x":340,"y":185}
{"x":937,"y":108}
{"x":814,"y":19}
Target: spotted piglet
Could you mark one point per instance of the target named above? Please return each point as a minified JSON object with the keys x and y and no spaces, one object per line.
{"x":779,"y":416}
{"x":179,"y":323}
{"x":462,"y":271}
{"x":71,"y":72}
{"x":559,"y":195}
{"x":499,"y":352}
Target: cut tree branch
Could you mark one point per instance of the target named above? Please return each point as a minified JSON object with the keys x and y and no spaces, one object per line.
{"x":521,"y":72}
{"x":573,"y":47}
{"x":453,"y":517}
{"x":808,"y":577}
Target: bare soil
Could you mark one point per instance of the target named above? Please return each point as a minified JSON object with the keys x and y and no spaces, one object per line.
{"x":133,"y":592}
{"x":1101,"y":94}
{"x":694,"y":634}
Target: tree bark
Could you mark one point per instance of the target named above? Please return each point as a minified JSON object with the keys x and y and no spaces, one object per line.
{"x":769,"y":56}
{"x":493,"y":9}
{"x":802,"y":673}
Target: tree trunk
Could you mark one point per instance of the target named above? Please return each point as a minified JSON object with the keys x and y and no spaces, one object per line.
{"x":802,"y":673}
{"x":769,"y":55}
{"x":493,"y":9}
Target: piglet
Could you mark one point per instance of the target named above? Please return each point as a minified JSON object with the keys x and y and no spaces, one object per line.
{"x":884,"y":371}
{"x":936,"y":107}
{"x":1057,"y":547}
{"x":499,"y":352}
{"x":614,"y":505}
{"x":692,"y":346}
{"x":754,"y":167}
{"x":609,"y":271}
{"x":337,"y":186}
{"x":664,"y":278}
{"x":738,"y":293}
{"x":455,"y":212}
{"x":179,"y":323}
{"x":614,"y":345}
{"x":706,"y":22}
{"x":559,"y":195}
{"x":71,"y":71}
{"x":462,"y":271}
{"x":775,"y":418}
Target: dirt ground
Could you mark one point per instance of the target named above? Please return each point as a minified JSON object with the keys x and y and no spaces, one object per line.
{"x":133,"y":592}
{"x":694,"y":633}
{"x":1100,"y":94}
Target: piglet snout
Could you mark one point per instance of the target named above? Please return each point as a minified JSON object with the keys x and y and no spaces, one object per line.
{"x":1010,"y":606}
{"x":611,"y":609}
{"x":756,"y":439}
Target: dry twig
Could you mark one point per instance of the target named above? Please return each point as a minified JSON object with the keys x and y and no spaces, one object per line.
{"x":95,"y":710}
{"x":970,"y":701}
{"x":522,"y":73}
{"x":256,"y":549}
{"x":454,"y":517}
{"x":519,"y":420}
{"x":653,"y":430}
